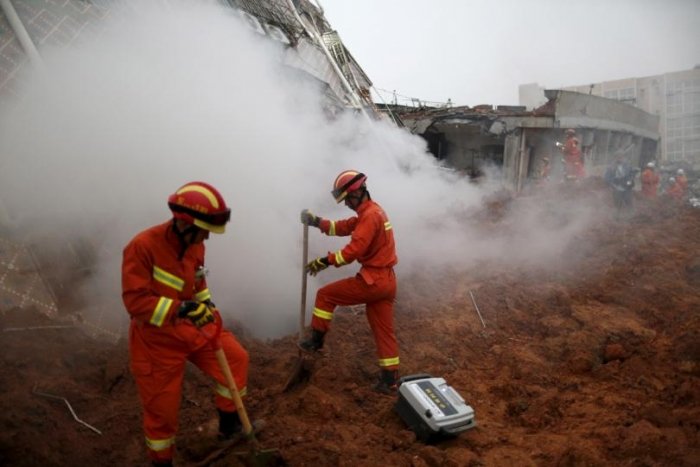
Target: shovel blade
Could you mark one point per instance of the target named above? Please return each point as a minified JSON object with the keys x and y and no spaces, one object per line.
{"x":300,"y":373}
{"x":261,"y":458}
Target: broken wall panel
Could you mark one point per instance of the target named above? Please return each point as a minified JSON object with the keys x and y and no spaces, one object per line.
{"x":574,"y":110}
{"x":469,"y":136}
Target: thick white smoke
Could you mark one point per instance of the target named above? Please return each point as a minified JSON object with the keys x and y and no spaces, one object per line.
{"x":165,"y":95}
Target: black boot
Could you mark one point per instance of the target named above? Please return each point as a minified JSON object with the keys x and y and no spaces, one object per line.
{"x":229,"y":424}
{"x":314,"y":343}
{"x":387,"y":383}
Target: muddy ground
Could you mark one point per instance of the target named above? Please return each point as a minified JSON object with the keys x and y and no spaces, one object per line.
{"x":592,"y":365}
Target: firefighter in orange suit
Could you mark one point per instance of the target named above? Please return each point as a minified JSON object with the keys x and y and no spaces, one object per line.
{"x":572,"y":156}
{"x":165,"y":291}
{"x":372,"y":245}
{"x":650,"y":181}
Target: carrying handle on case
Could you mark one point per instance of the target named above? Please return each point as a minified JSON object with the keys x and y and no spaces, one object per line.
{"x":406,"y":379}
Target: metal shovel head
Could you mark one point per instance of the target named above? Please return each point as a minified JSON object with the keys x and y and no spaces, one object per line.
{"x":301,"y":373}
{"x":261,"y":458}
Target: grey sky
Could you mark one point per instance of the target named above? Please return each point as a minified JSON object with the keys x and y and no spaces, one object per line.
{"x":478,"y":51}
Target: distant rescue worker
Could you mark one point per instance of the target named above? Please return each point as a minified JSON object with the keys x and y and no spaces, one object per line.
{"x":372,"y":245}
{"x":620,"y":177}
{"x":682,"y":180}
{"x":573,"y":159}
{"x":650,"y":181}
{"x":674,"y":190}
{"x":165,"y":291}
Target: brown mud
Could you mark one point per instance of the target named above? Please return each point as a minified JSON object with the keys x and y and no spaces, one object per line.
{"x":596,"y":365}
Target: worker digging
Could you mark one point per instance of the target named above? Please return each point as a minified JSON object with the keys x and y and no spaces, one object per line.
{"x":165,"y":291}
{"x":372,"y":245}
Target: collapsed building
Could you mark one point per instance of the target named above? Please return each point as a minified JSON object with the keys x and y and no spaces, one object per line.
{"x":464,"y":138}
{"x":311,"y":47}
{"x":472,"y":139}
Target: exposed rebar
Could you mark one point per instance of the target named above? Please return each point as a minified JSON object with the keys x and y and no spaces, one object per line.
{"x":21,"y":33}
{"x":477,"y":309}
{"x":51,"y":396}
{"x":32,"y":328}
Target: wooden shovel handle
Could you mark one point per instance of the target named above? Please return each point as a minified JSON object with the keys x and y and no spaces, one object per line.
{"x":304,"y":262}
{"x":231,"y":383}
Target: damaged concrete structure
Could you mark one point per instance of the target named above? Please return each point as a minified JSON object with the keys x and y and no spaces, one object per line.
{"x":514,"y":140}
{"x":308,"y":43}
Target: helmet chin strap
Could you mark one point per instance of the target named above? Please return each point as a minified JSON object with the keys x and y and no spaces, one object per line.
{"x":185,"y":236}
{"x":356,"y":198}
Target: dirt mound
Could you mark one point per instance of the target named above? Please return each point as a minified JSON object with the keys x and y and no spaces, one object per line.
{"x":593,"y":365}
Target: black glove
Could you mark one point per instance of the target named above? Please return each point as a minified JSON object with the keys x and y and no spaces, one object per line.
{"x":317,"y":265}
{"x":308,"y":218}
{"x":197,"y":312}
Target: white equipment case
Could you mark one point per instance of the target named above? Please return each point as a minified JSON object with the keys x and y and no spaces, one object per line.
{"x":432,"y":409}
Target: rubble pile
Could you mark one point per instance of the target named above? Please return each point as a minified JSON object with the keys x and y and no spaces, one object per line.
{"x":594,"y":365}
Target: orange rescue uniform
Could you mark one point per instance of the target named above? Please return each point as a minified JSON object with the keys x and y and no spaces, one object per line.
{"x":650,"y":183}
{"x":572,"y":158}
{"x":156,"y":278}
{"x":372,"y":245}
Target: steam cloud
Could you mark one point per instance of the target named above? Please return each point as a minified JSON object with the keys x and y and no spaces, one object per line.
{"x":162,"y":96}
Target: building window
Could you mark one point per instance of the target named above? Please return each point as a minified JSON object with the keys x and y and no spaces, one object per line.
{"x":623,"y":95}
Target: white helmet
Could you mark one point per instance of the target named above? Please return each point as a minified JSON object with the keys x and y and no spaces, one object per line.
{"x":672,"y":180}
{"x":680,"y":172}
{"x":651,"y":165}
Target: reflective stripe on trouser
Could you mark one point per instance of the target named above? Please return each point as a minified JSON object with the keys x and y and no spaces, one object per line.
{"x":160,"y":449}
{"x":157,"y":358}
{"x":379,"y":298}
{"x":225,"y":392}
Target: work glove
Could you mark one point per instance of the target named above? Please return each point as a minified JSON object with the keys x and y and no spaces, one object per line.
{"x":308,"y":218}
{"x":317,"y":265}
{"x":197,"y":312}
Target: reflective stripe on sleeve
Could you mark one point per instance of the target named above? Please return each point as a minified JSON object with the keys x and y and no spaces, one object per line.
{"x":323,"y":314}
{"x":339,"y":260}
{"x":164,"y":277}
{"x":223,"y":391}
{"x":159,"y":444}
{"x":203,"y":295}
{"x":161,"y":311}
{"x":387,"y":225}
{"x":384,"y":362}
{"x":331,"y":228}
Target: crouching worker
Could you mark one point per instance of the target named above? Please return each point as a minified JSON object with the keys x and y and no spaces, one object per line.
{"x":165,"y":291}
{"x":372,"y":245}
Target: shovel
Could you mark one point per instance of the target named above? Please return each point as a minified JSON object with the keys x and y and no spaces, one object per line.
{"x":256,"y":456}
{"x":301,"y":370}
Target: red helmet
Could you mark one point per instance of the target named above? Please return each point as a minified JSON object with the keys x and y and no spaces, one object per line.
{"x":200,"y":204}
{"x":347,"y":181}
